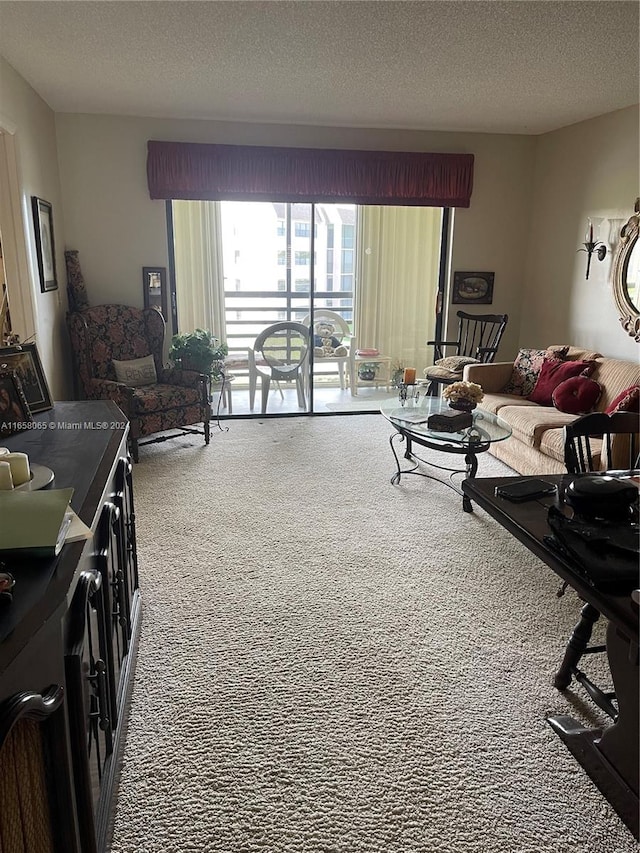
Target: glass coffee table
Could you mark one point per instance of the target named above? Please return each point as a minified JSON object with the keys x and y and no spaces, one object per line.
{"x":410,"y":422}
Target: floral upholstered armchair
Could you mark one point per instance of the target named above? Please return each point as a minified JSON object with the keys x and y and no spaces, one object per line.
{"x":118,"y":353}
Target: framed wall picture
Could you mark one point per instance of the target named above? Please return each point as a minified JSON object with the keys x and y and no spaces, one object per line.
{"x":473,"y":288}
{"x":45,"y":247}
{"x":14,"y":409}
{"x":25,"y":361}
{"x":154,"y":280}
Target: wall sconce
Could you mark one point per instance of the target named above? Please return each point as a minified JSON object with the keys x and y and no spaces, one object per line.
{"x":592,"y":246}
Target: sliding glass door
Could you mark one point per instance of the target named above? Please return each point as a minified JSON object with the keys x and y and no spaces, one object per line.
{"x":363,"y":280}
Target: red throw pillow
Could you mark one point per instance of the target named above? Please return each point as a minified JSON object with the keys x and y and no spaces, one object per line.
{"x":626,"y":401}
{"x":576,"y":396}
{"x":552,"y":374}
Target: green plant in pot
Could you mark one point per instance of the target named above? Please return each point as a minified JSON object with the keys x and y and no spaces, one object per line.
{"x":397,"y":373}
{"x":367,"y":370}
{"x":201,"y":351}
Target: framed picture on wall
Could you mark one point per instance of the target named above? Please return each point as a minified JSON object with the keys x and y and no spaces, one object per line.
{"x":45,"y":246}
{"x":154,"y":280}
{"x":24,"y":360}
{"x":473,"y":288}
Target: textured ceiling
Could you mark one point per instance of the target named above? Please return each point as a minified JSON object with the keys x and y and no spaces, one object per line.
{"x":483,"y":65}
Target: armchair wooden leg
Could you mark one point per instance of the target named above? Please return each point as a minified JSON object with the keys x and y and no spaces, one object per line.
{"x":133,"y":445}
{"x":207,"y":431}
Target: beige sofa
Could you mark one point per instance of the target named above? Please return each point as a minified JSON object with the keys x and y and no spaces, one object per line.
{"x":537,"y":443}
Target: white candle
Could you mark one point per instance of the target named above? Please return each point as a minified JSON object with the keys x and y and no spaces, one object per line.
{"x":6,"y":480}
{"x":19,"y":467}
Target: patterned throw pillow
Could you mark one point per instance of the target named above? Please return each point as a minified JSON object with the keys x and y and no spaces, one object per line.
{"x":527,"y":367}
{"x":576,"y":396}
{"x":455,"y":362}
{"x":136,"y":372}
{"x":553,"y":373}
{"x":626,"y":401}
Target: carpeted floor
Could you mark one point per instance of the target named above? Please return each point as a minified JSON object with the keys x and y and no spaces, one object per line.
{"x":331,"y":664}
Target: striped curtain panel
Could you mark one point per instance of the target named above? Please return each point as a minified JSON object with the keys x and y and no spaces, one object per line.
{"x":197,"y":243}
{"x":398,"y":255}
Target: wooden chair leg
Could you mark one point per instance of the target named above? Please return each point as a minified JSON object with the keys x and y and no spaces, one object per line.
{"x":576,"y":646}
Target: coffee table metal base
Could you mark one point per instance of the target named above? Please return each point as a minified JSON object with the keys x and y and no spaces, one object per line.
{"x":470,"y":458}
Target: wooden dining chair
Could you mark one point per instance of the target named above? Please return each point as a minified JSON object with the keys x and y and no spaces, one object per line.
{"x":595,"y":442}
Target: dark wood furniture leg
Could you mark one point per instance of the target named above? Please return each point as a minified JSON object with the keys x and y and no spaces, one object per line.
{"x":576,"y":646}
{"x":611,"y":757}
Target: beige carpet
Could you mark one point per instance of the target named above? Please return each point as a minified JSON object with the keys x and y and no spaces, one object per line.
{"x":331,"y":664}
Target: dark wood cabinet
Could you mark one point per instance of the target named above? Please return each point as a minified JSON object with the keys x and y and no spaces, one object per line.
{"x":68,"y":641}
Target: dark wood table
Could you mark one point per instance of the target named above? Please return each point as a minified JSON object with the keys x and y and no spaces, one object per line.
{"x":611,"y":755}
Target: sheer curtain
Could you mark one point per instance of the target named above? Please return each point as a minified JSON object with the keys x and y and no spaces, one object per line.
{"x":197,"y":240}
{"x":397,"y":280}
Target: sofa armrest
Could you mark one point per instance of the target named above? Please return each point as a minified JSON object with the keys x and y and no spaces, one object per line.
{"x":491,"y":377}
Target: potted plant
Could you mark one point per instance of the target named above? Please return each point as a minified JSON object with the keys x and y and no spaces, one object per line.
{"x":397,"y":372}
{"x":201,"y":351}
{"x":367,"y":370}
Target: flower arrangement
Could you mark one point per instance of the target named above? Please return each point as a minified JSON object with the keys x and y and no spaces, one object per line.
{"x":468,"y":392}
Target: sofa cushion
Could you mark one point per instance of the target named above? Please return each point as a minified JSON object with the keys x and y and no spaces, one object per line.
{"x":160,"y":398}
{"x":577,"y":395}
{"x":495,"y":402}
{"x":455,"y":362}
{"x":436,"y":372}
{"x":526,"y":369}
{"x":615,"y":376}
{"x":553,"y":373}
{"x":626,"y":401}
{"x":575,"y":353}
{"x":528,"y":423}
{"x":552,"y":444}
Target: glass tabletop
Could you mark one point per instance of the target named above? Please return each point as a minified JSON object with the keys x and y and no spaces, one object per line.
{"x":412,"y":419}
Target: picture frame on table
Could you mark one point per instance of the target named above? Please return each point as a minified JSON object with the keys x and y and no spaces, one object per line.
{"x":45,"y":244}
{"x":472,"y":288}
{"x":24,"y":359}
{"x":14,"y":409}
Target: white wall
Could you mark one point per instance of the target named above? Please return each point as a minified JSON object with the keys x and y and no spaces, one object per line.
{"x":22,"y":109}
{"x":590,"y":169}
{"x":528,"y":213}
{"x":112,"y":222}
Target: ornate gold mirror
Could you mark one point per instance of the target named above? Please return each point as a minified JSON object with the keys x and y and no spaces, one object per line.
{"x":626,"y":275}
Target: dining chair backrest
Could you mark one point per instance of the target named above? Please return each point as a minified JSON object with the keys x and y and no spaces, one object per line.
{"x":284,"y":347}
{"x":617,"y":437}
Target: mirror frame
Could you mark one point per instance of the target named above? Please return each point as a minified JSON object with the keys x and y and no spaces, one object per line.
{"x":629,"y":313}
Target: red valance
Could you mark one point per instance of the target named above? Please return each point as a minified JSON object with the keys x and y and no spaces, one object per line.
{"x":195,"y":171}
